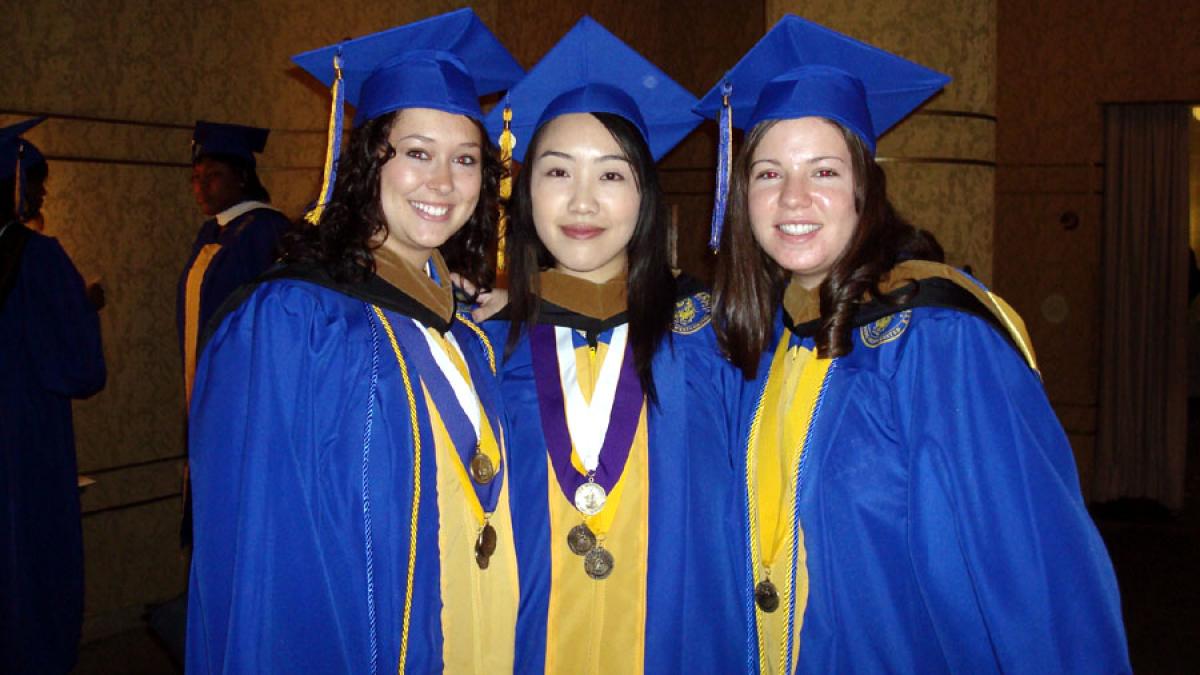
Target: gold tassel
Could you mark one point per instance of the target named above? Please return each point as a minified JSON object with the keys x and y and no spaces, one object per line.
{"x":507,"y":142}
{"x":332,"y":145}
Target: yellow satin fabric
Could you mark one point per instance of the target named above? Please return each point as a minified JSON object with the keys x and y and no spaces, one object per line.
{"x":788,"y":403}
{"x":598,"y":626}
{"x":479,"y":607}
{"x":191,"y":313}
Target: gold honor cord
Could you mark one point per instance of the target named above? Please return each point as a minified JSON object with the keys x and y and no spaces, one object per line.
{"x":487,"y":343}
{"x":416,"y":500}
{"x":799,"y":386}
{"x":752,"y":505}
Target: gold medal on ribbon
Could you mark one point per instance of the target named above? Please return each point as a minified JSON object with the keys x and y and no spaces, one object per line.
{"x":581,"y":539}
{"x":482,"y":470}
{"x":485,"y":546}
{"x":766,"y":596}
{"x":598,"y":563}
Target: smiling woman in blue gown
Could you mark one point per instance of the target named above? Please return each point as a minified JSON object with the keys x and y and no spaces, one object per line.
{"x":909,"y":500}
{"x":349,"y":450}
{"x":607,"y":355}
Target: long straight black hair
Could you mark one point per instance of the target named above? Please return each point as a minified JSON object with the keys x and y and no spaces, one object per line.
{"x":651,"y":289}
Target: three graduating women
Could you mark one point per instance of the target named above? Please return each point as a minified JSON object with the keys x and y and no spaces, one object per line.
{"x":887,"y":488}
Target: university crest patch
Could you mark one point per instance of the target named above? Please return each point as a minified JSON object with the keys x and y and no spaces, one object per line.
{"x":692,"y":313}
{"x":886,"y":329}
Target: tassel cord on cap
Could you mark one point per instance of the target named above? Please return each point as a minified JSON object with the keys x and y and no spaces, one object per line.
{"x":333,"y":146}
{"x":507,"y":142}
{"x":724,"y":160}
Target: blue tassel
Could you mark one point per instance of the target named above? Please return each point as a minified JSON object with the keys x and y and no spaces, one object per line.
{"x":724,"y":160}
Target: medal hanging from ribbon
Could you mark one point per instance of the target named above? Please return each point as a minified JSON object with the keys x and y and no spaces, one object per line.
{"x":471,"y":418}
{"x":587,"y":468}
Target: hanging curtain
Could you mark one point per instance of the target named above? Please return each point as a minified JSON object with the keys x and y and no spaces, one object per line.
{"x":1141,"y":443}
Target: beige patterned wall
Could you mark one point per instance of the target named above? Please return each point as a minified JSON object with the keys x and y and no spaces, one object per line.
{"x":939,"y":162}
{"x":119,"y":201}
{"x":1057,"y":64}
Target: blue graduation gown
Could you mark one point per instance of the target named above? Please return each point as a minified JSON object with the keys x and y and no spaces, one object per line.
{"x":302,"y":470}
{"x":942,"y":519}
{"x":49,"y":354}
{"x":249,"y":246}
{"x":692,"y":588}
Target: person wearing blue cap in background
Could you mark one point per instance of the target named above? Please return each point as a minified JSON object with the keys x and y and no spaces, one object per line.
{"x":910,"y":498}
{"x":349,"y":450}
{"x":238,"y":242}
{"x":50,"y":353}
{"x":603,"y":349}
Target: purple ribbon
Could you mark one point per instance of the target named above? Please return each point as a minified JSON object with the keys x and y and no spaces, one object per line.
{"x":622,"y":423}
{"x":458,"y":425}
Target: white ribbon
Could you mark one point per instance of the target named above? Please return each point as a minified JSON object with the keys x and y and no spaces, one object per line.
{"x":468,"y":400}
{"x":588,"y":421}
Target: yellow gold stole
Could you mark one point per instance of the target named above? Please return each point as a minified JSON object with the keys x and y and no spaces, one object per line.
{"x":598,"y":626}
{"x":773,"y":454}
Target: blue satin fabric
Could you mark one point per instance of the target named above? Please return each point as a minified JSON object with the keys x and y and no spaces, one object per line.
{"x":942,"y":517}
{"x":817,"y":91}
{"x":284,"y":437}
{"x":691,"y":603}
{"x":248,"y":248}
{"x":420,"y":79}
{"x":49,"y":354}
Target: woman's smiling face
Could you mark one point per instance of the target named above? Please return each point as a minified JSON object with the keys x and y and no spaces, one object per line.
{"x":585,"y":197}
{"x":430,"y":188}
{"x":800,"y":197}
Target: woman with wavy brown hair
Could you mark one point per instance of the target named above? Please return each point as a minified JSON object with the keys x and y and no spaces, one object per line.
{"x":349,"y":450}
{"x":909,"y":501}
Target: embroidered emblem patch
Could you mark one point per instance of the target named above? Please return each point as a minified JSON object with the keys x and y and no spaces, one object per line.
{"x":692,"y":313}
{"x":886,"y":329}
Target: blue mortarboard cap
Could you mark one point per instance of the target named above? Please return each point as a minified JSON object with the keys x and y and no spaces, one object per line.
{"x":14,"y":149}
{"x":213,"y":138}
{"x":801,"y":69}
{"x":590,"y":70}
{"x":444,"y":62}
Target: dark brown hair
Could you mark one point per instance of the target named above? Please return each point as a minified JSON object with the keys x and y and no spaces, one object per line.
{"x":343,"y":240}
{"x":651,"y":286}
{"x":749,"y":284}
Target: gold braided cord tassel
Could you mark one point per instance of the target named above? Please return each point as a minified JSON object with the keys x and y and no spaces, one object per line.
{"x":332,"y":144}
{"x":507,"y":142}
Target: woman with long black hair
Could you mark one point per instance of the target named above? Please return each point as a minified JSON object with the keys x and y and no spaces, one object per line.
{"x":602,"y":346}
{"x":349,"y":451}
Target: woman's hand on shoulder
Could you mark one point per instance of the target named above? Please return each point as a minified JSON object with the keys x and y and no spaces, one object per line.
{"x":487,"y":303}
